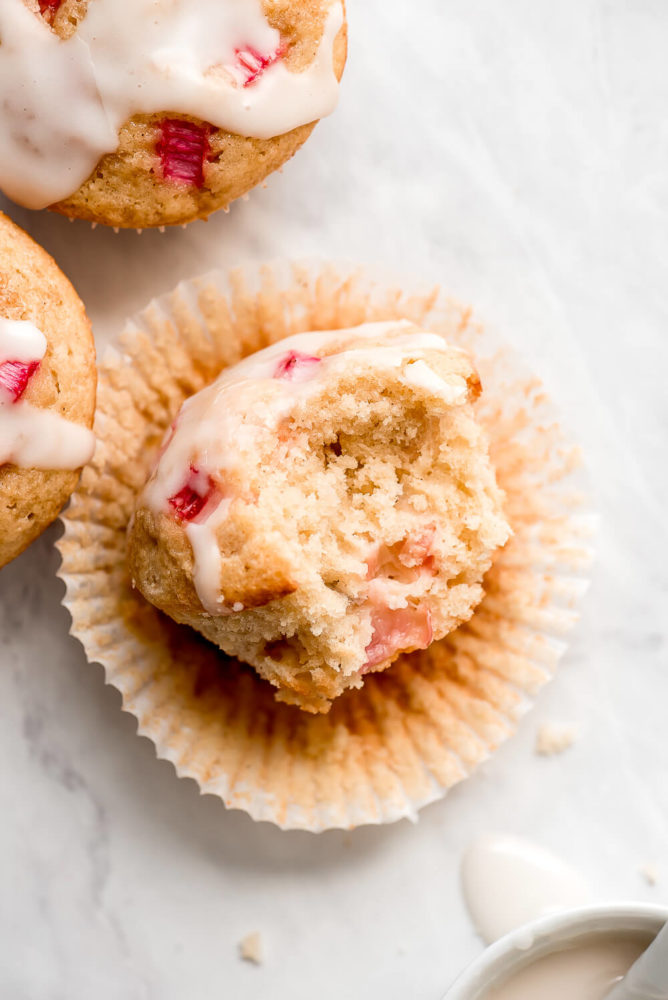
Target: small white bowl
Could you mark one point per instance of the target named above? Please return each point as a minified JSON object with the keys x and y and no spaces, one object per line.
{"x":543,"y":937}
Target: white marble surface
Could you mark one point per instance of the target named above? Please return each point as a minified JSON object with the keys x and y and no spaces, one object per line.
{"x":517,"y":152}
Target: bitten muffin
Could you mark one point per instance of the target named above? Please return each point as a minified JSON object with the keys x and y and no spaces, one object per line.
{"x":324,"y":506}
{"x":149,"y":113}
{"x":47,"y":389}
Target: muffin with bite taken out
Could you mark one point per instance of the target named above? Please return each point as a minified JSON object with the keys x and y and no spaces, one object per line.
{"x":320,"y":504}
{"x":324,"y":506}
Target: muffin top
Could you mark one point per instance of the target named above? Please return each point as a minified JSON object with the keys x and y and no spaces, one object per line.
{"x":325,"y":505}
{"x":135,"y":101}
{"x":47,"y":389}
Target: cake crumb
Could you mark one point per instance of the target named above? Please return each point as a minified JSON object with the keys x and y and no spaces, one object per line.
{"x":650,"y":873}
{"x":250,"y":948}
{"x":553,"y":738}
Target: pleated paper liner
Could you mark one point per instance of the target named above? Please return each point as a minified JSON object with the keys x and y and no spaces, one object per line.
{"x":412,"y":731}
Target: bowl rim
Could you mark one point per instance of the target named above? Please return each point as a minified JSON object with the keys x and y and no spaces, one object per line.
{"x":538,"y":937}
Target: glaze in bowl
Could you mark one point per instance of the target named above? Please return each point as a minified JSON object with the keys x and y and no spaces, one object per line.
{"x":547,"y":935}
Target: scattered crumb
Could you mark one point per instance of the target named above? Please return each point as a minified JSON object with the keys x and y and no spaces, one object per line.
{"x":250,"y":948}
{"x":650,"y":873}
{"x":554,"y":738}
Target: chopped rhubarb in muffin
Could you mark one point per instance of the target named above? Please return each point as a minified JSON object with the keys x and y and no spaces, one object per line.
{"x":49,"y":8}
{"x":252,"y":63}
{"x":197,"y":494}
{"x":396,"y":631}
{"x":296,"y":366}
{"x":183,"y":149}
{"x":14,"y":378}
{"x":404,"y":560}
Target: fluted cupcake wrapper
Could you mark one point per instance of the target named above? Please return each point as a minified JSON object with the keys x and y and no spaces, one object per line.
{"x":412,"y":731}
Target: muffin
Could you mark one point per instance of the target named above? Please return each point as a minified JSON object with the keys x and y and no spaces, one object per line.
{"x":113,"y":114}
{"x":325,"y":505}
{"x":47,"y":390}
{"x":411,"y":731}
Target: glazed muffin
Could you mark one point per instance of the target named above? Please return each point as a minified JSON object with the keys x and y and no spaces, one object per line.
{"x":411,"y":732}
{"x":47,"y":390}
{"x":134,"y":114}
{"x":324,"y":506}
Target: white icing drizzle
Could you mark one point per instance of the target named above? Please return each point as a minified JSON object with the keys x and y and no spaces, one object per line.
{"x":207,"y":562}
{"x":508,"y":881}
{"x":39,"y":439}
{"x":20,"y":340}
{"x":30,"y":437}
{"x":419,"y":373}
{"x":62,"y":103}
{"x":218,"y":427}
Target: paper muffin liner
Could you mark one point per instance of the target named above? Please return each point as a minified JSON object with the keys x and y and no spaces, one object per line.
{"x":413,"y":730}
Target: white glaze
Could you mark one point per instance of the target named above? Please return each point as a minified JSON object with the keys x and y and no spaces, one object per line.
{"x":586,"y":972}
{"x":206,"y":554}
{"x":40,"y":439}
{"x":29,"y":437}
{"x":62,"y":103}
{"x":242,"y":409}
{"x":421,"y":375}
{"x":508,"y":881}
{"x":20,"y":340}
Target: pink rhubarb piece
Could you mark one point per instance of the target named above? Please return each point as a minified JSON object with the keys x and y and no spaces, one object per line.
{"x":14,"y":377}
{"x":296,"y":367}
{"x":253,"y":63}
{"x":417,"y":549}
{"x":405,"y":560}
{"x":49,"y":8}
{"x":397,"y":630}
{"x":183,"y":148}
{"x":194,"y":496}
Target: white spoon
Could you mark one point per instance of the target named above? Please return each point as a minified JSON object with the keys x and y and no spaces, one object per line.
{"x":647,"y":979}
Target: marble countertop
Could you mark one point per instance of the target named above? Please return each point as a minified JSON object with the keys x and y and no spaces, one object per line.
{"x":517,"y":153}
